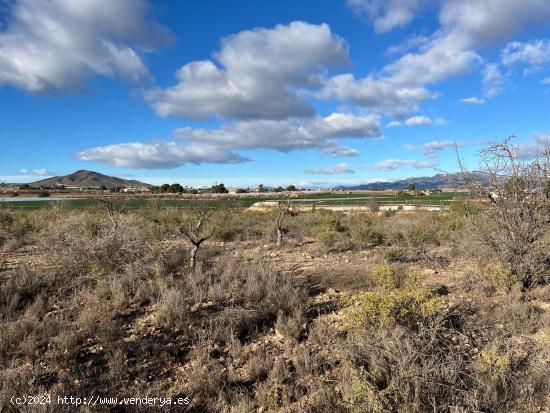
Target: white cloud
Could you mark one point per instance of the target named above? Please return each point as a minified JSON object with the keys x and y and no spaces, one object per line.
{"x":42,"y":172}
{"x":378,"y":95}
{"x":423,"y":120}
{"x":292,"y":134}
{"x":35,"y":172}
{"x":545,"y":81}
{"x":261,"y":74}
{"x":394,"y":124}
{"x":386,"y":14}
{"x":389,"y":164}
{"x":47,"y":46}
{"x":340,"y":151}
{"x":158,"y":154}
{"x":418,"y":121}
{"x":465,"y":27}
{"x":474,"y":100}
{"x":339,"y":169}
{"x":493,"y":80}
{"x":535,"y":53}
{"x":220,"y":145}
{"x":432,"y":148}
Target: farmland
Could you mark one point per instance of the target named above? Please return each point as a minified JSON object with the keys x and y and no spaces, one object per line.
{"x":243,"y":201}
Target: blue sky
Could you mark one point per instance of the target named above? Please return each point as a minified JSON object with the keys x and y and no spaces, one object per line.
{"x":248,"y":92}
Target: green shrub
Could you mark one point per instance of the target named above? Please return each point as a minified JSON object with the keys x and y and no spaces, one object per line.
{"x":406,"y":308}
{"x":328,"y":229}
{"x":361,"y":229}
{"x":494,"y":364}
{"x":409,"y":305}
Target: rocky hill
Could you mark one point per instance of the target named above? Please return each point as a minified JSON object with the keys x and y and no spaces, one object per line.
{"x":87,"y":179}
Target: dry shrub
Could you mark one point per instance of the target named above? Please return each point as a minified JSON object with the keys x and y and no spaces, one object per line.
{"x":362,"y":230}
{"x":87,"y":244}
{"x":421,"y":229}
{"x":22,"y":288}
{"x":291,"y":327}
{"x":15,"y":228}
{"x":174,"y":309}
{"x":329,"y":229}
{"x":346,"y":277}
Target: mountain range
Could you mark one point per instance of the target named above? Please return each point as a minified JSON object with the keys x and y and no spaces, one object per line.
{"x":439,"y":181}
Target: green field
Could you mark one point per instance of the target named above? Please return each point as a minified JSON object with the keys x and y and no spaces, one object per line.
{"x":335,"y":198}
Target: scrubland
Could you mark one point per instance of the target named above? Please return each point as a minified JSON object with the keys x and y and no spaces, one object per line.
{"x":362,"y":312}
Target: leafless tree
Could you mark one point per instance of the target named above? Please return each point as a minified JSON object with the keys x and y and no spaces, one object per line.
{"x":283,"y":207}
{"x":515,"y":216}
{"x":196,"y":234}
{"x":114,"y":207}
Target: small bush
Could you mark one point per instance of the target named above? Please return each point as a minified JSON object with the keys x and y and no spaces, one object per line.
{"x":328,"y":229}
{"x":362,"y":230}
{"x":406,"y":308}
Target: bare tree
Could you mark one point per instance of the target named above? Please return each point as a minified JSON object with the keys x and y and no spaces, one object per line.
{"x":283,"y":206}
{"x":114,"y":208}
{"x":515,"y":218}
{"x":196,"y":235}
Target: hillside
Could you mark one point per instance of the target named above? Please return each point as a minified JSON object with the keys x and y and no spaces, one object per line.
{"x":85,"y":179}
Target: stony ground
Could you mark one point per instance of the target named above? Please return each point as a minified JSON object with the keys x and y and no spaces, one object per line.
{"x":317,"y":270}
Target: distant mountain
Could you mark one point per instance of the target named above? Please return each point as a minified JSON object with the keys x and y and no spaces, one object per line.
{"x":438,"y":181}
{"x":87,"y":179}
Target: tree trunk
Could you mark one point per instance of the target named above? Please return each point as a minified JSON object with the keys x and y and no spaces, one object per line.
{"x":279,"y":237}
{"x":192,"y":261}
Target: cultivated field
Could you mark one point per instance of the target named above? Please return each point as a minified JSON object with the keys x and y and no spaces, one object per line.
{"x":310,"y":311}
{"x":358,"y":198}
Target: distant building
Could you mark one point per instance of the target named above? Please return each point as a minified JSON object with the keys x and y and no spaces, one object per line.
{"x":136,"y":189}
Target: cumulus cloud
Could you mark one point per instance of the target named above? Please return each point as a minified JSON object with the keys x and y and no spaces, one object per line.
{"x":418,"y":121}
{"x":377,"y":94}
{"x":220,"y":145}
{"x":291,"y":134}
{"x":452,"y":50}
{"x":339,"y":169}
{"x":432,"y":148}
{"x":389,"y":164}
{"x":474,"y":100}
{"x":423,"y":120}
{"x":159,"y":154}
{"x":259,"y":74}
{"x":47,"y":46}
{"x":386,"y":14}
{"x":535,"y":53}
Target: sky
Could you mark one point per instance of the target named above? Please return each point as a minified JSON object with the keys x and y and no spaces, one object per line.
{"x":280,"y":92}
